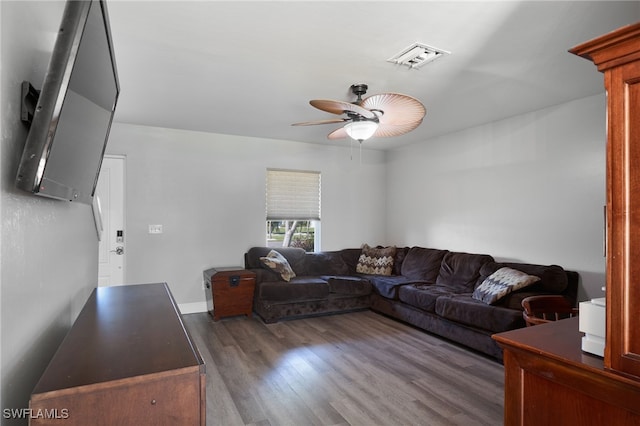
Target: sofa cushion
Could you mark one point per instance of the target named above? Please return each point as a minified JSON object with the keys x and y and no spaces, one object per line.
{"x":502,"y":282}
{"x":277,"y":263}
{"x":350,"y":257}
{"x":422,"y":296}
{"x":460,"y":271}
{"x":387,"y":286}
{"x":464,"y":309}
{"x":295,"y":256}
{"x":422,"y":264}
{"x":398,"y":260}
{"x":325,"y":263}
{"x":376,"y":261}
{"x":553,"y":278}
{"x":298,"y":289}
{"x":347,"y":285}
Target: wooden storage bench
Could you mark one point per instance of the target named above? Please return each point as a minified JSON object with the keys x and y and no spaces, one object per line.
{"x":229,"y":291}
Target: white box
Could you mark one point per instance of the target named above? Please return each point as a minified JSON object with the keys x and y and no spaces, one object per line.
{"x":593,"y":325}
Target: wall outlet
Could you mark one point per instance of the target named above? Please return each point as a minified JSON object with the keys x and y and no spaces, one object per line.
{"x":155,"y":229}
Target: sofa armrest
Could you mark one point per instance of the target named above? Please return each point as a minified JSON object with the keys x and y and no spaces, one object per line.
{"x":571,"y":292}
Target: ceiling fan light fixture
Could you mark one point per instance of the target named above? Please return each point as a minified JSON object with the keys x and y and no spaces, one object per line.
{"x":361,"y":130}
{"x":381,"y":115}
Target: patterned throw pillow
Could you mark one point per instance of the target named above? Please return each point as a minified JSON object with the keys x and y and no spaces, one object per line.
{"x":502,"y":282}
{"x":375,"y":261}
{"x":278,"y":263}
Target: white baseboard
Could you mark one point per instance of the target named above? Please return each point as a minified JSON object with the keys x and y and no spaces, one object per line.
{"x":192,"y":308}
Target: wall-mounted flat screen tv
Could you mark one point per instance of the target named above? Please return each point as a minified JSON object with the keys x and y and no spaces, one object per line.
{"x":74,"y":110}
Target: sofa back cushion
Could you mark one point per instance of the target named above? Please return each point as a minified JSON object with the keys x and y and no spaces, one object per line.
{"x":325,"y":263}
{"x":350,"y":257}
{"x":461,"y":271}
{"x":422,"y":264}
{"x":398,"y":261}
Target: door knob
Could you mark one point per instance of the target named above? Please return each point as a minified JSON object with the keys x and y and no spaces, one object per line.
{"x":119,"y":250}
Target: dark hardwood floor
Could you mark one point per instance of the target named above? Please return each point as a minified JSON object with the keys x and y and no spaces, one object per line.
{"x":358,"y":368}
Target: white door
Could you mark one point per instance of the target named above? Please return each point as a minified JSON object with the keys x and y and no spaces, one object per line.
{"x":112,"y":247}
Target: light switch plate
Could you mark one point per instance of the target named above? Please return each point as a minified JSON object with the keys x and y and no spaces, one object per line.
{"x":155,"y":229}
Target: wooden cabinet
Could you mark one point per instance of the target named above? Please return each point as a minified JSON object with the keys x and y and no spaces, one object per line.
{"x":127,"y":360}
{"x":617,"y":55}
{"x":229,"y":291}
{"x":550,"y":381}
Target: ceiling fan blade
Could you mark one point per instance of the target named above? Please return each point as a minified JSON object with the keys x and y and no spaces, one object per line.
{"x":339,"y":133}
{"x":398,"y":109}
{"x":387,"y":130}
{"x":329,"y":121}
{"x":339,"y":107}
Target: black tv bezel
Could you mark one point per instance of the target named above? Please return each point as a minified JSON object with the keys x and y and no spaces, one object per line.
{"x":41,"y":137}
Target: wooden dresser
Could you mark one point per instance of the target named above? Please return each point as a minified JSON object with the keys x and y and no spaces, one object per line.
{"x":550,"y":381}
{"x":127,"y":360}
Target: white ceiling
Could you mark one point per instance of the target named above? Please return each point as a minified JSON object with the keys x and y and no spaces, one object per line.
{"x":250,"y":68}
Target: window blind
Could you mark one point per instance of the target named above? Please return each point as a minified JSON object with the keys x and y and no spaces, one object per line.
{"x":293,"y":195}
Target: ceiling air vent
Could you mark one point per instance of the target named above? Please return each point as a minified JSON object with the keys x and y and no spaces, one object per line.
{"x":417,"y":55}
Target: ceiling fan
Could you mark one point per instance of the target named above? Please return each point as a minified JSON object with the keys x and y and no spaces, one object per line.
{"x":382,"y":115}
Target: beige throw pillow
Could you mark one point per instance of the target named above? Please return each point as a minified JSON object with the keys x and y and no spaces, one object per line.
{"x":374,"y":261}
{"x":502,"y":282}
{"x":278,"y":263}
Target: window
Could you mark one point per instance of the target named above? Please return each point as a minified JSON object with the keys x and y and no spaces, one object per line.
{"x":293,"y":209}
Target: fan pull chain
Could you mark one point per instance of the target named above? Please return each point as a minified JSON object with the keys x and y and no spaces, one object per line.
{"x":351,"y":149}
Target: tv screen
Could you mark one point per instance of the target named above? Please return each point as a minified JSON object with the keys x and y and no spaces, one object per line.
{"x":72,"y":118}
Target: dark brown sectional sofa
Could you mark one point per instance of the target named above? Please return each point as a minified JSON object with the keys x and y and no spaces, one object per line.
{"x":429,"y":288}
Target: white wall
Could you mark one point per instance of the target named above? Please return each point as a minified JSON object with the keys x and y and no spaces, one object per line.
{"x":48,"y":249}
{"x":207,"y":190}
{"x":530,"y":188}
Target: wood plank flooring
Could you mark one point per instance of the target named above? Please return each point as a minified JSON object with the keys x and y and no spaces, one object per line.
{"x":358,"y":368}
